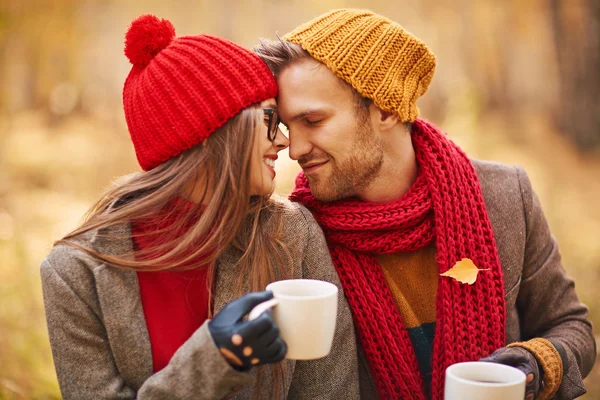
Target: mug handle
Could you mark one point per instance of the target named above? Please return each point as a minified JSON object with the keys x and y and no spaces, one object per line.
{"x":261,"y":308}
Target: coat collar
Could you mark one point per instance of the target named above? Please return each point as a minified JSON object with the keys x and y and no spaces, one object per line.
{"x":122,"y":310}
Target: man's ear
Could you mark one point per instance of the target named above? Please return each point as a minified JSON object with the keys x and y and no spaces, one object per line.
{"x":386,"y":120}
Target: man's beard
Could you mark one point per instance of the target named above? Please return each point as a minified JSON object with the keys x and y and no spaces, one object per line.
{"x":355,"y":172}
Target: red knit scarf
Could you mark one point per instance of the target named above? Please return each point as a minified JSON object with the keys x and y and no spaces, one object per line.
{"x":444,"y":205}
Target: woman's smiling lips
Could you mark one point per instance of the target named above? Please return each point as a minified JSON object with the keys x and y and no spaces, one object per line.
{"x":269,"y":161}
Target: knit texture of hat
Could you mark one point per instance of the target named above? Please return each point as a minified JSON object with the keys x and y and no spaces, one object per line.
{"x":180,"y":90}
{"x":380,"y":59}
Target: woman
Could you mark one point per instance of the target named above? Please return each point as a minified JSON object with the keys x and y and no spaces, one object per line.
{"x":130,"y":295}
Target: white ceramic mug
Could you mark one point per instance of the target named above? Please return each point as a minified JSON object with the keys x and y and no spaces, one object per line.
{"x":306,"y":312}
{"x":484,"y":381}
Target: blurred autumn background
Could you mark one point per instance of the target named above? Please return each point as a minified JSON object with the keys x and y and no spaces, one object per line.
{"x":517,"y":82}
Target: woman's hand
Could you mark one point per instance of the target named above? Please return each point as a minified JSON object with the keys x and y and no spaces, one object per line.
{"x":247,"y":343}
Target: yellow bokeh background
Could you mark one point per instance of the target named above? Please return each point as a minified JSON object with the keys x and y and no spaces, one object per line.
{"x":516,"y":82}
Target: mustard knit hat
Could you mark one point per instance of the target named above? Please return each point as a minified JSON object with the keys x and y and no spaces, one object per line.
{"x":381,"y":60}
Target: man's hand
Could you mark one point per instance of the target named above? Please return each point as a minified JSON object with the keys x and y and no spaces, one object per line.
{"x":247,"y":343}
{"x":523,"y":360}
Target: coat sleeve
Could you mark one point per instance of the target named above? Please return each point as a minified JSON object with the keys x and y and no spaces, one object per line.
{"x":84,"y":362}
{"x":334,"y":376}
{"x":548,"y":304}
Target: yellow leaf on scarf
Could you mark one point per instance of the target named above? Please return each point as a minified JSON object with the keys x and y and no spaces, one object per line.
{"x":464,"y":271}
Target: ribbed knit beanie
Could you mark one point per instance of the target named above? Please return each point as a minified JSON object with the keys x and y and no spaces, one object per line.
{"x":180,"y":90}
{"x":380,"y":59}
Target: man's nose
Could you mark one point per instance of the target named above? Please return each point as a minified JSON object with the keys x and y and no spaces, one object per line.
{"x":299,"y":145}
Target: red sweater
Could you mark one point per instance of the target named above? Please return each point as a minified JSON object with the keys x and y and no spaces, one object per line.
{"x":175,"y":302}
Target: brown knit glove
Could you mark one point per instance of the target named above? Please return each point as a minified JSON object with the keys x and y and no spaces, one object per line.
{"x":550,"y":360}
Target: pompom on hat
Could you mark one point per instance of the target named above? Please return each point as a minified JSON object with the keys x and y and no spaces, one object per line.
{"x":147,"y":36}
{"x":375,"y":55}
{"x":180,"y":90}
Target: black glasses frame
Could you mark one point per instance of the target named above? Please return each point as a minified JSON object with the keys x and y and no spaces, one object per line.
{"x":273,"y":123}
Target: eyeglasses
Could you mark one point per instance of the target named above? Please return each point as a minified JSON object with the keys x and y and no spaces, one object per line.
{"x":272,"y":122}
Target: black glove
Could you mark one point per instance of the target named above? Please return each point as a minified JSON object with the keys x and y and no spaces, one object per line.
{"x":247,"y":343}
{"x":523,"y":360}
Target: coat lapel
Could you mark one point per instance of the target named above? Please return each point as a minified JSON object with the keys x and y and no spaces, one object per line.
{"x":122,"y":310}
{"x":226,"y":280}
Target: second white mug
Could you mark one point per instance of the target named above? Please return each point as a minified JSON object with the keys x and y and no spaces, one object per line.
{"x":483,"y":381}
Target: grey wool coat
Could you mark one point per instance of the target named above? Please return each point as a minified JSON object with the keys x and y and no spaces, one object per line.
{"x":101,"y":346}
{"x":540,"y":297}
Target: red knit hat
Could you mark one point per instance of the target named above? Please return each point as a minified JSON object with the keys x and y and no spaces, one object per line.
{"x":180,"y":90}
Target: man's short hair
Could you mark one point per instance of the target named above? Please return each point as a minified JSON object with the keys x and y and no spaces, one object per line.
{"x":279,"y":54}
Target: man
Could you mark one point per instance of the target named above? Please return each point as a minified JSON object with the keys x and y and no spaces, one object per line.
{"x":401,"y":205}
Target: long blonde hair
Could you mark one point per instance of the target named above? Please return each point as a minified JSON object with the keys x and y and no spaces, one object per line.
{"x":229,"y":216}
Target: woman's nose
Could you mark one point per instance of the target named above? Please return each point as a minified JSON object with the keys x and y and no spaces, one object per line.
{"x":281,"y":141}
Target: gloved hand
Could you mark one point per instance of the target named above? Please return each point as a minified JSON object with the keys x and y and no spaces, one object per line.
{"x":247,"y":343}
{"x":523,"y":360}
